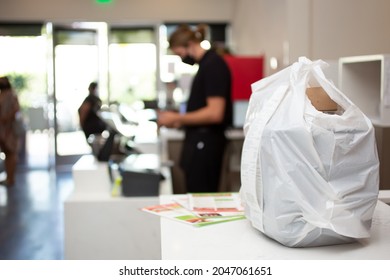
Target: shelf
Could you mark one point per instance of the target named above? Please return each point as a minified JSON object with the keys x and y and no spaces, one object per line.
{"x":366,"y":81}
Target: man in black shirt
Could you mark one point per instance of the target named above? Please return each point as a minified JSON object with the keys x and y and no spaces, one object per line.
{"x":209,"y":112}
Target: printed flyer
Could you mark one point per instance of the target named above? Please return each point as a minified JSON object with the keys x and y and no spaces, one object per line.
{"x":201,"y":209}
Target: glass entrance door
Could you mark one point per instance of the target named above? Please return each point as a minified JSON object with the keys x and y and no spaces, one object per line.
{"x":79,"y":59}
{"x":23,"y":57}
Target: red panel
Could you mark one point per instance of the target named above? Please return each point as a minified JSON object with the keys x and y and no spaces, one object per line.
{"x":245,"y":71}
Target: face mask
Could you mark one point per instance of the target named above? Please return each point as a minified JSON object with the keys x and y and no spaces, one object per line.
{"x":188,"y":59}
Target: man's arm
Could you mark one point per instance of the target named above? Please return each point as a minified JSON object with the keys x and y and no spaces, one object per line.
{"x":212,"y":113}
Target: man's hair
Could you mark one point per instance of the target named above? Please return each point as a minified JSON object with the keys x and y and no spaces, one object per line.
{"x":5,"y":83}
{"x":93,"y":86}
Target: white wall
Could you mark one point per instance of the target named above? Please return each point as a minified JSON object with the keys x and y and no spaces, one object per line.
{"x":350,"y":27}
{"x":299,"y":29}
{"x":117,"y":11}
{"x":318,"y":29}
{"x":259,"y":27}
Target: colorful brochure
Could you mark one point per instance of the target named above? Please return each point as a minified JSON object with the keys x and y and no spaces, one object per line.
{"x":213,"y":204}
{"x":175,"y":211}
{"x":201,"y":209}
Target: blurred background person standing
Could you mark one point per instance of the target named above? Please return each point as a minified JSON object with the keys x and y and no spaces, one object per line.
{"x":9,"y":138}
{"x":208,"y":114}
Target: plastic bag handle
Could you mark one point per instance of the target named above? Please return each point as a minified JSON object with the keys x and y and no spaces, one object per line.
{"x":301,"y":72}
{"x":251,"y":176}
{"x":334,"y":93}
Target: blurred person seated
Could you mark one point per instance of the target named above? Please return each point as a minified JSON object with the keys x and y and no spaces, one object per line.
{"x":90,"y":121}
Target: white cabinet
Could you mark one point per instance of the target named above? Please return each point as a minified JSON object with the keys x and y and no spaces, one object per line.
{"x":366,"y":81}
{"x":99,"y":226}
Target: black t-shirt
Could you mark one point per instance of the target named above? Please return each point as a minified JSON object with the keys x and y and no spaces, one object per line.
{"x":203,"y":147}
{"x":93,"y":124}
{"x":212,"y":79}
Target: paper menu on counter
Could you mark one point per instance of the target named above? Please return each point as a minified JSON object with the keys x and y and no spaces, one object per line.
{"x":177,"y":212}
{"x":213,"y":204}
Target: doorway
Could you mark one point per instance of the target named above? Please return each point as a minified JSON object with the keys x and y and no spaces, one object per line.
{"x":80,"y":57}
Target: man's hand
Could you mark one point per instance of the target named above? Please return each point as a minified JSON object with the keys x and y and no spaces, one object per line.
{"x":169,"y":119}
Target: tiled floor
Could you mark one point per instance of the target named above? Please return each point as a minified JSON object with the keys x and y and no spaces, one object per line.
{"x":31,"y":215}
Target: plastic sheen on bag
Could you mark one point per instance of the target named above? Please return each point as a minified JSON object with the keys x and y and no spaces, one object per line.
{"x":309,"y":178}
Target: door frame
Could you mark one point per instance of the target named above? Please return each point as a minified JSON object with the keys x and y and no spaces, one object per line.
{"x":101,"y":30}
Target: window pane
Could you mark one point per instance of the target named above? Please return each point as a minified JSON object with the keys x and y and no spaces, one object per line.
{"x":76,"y":67}
{"x":21,"y":29}
{"x":75,"y":37}
{"x":23,"y":60}
{"x":132,"y":70}
{"x":125,"y":35}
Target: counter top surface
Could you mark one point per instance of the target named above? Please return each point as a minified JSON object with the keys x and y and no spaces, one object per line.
{"x":178,"y":134}
{"x":239,"y":240}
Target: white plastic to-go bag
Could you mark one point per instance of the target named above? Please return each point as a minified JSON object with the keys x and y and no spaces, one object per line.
{"x":308,"y":178}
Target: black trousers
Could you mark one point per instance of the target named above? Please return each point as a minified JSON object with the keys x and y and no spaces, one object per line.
{"x":201,"y":159}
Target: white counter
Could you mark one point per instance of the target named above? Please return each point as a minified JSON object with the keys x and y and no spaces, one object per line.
{"x":384,"y":195}
{"x":239,"y":240}
{"x":178,"y":134}
{"x":110,"y":228}
{"x":98,"y":226}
